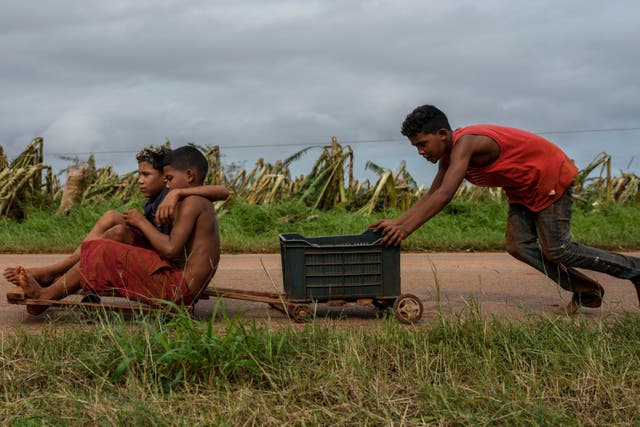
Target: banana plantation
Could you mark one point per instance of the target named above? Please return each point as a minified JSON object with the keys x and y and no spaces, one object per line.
{"x":28,"y":182}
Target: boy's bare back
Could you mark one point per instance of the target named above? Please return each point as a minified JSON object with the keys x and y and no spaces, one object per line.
{"x":203,"y":245}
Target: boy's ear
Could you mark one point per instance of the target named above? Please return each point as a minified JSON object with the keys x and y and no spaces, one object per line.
{"x":443,"y":133}
{"x":191,"y":176}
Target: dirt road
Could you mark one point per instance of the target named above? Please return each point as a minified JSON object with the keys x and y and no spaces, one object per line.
{"x":494,"y":282}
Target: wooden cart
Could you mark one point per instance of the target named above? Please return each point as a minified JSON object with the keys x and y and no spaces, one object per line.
{"x":333,"y":270}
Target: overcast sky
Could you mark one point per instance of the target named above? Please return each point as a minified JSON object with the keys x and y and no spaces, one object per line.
{"x":111,"y":77}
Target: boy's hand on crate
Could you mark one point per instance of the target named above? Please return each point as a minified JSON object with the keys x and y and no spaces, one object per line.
{"x":392,"y":231}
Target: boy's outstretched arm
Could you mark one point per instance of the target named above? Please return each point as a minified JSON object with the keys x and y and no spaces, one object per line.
{"x":167,"y":208}
{"x":444,"y":187}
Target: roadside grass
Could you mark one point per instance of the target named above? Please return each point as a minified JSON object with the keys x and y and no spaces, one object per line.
{"x":454,"y":370}
{"x":462,"y":226}
{"x":45,"y":232}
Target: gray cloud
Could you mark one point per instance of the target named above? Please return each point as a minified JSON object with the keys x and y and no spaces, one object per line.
{"x":110,"y":77}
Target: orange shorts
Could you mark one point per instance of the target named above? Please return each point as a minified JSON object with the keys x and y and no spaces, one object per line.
{"x":136,"y":273}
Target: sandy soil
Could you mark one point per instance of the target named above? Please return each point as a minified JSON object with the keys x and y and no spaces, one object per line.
{"x":493,"y":283}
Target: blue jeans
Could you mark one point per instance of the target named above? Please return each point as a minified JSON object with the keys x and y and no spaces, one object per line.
{"x":543,"y":240}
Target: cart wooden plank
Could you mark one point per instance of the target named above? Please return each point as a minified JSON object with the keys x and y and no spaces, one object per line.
{"x":17,"y":296}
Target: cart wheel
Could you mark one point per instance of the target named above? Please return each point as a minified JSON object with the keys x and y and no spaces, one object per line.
{"x":408,"y":308}
{"x":300,"y":313}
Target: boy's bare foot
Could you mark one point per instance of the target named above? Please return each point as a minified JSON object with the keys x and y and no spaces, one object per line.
{"x":569,"y":310}
{"x":11,"y":274}
{"x":43,"y":277}
{"x":32,"y":289}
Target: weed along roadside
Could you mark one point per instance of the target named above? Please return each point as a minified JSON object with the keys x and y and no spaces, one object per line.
{"x":452,"y":370}
{"x":484,"y":352}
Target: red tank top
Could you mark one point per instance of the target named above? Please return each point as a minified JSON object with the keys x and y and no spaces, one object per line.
{"x":532,"y":170}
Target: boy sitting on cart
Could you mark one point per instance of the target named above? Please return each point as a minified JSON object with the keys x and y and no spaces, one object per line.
{"x":158,"y":209}
{"x":177,"y":268}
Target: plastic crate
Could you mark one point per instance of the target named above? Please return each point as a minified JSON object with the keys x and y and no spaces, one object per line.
{"x":346,"y":267}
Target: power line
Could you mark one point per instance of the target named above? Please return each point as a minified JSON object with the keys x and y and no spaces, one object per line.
{"x":558,"y":132}
{"x":231,"y":147}
{"x":351,"y":142}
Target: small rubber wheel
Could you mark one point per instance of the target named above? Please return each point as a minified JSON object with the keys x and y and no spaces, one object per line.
{"x":300,"y":313}
{"x":408,"y":308}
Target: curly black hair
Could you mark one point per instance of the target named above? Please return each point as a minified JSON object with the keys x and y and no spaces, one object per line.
{"x":153,"y":155}
{"x":424,"y":119}
{"x":188,"y":157}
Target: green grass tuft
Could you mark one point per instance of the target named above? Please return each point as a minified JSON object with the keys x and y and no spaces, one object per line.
{"x":462,"y":226}
{"x":457,"y":370}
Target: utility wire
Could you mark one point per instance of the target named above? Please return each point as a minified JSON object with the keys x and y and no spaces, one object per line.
{"x":351,"y":142}
{"x":559,"y":132}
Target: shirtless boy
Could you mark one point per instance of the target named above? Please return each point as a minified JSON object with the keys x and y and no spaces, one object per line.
{"x":178,"y":268}
{"x":158,"y":210}
{"x":537,"y":178}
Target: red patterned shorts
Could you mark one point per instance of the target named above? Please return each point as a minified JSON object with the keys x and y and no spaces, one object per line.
{"x":136,"y":273}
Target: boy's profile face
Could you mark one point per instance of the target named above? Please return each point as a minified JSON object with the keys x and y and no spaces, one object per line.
{"x":150,"y":180}
{"x":431,"y":146}
{"x":176,"y":178}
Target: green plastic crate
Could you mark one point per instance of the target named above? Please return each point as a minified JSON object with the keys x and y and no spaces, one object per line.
{"x":346,"y":267}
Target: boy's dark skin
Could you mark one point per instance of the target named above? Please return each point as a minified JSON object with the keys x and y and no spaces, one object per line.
{"x":112,"y":224}
{"x":194,"y":237}
{"x":194,"y":234}
{"x":470,"y":150}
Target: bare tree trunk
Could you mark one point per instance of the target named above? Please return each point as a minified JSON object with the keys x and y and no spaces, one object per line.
{"x":74,"y":187}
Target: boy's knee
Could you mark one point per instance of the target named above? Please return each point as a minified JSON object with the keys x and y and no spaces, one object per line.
{"x":118,"y":233}
{"x":556,"y":254}
{"x":111,"y":218}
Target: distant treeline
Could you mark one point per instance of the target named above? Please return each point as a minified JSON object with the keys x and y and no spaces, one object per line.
{"x":27,"y":182}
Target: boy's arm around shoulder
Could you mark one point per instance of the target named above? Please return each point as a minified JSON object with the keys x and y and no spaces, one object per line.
{"x":166,"y":210}
{"x":210,"y":192}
